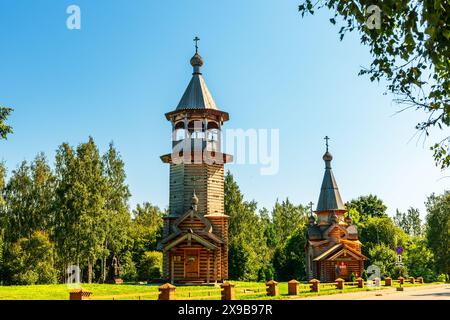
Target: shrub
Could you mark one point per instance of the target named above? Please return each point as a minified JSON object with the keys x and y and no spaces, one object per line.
{"x":150,"y":266}
{"x":128,"y":270}
{"x":442,"y":278}
{"x":385,"y":258}
{"x":30,"y":261}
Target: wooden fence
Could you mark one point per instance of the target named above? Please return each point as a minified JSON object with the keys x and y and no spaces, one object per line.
{"x":228,"y":291}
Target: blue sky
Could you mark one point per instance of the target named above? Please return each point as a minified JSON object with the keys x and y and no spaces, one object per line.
{"x":129,"y":64}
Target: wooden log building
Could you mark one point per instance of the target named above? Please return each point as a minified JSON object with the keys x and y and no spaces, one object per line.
{"x":333,"y":249}
{"x":195,"y":236}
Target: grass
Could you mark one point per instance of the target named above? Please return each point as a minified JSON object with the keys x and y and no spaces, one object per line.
{"x":253,"y":291}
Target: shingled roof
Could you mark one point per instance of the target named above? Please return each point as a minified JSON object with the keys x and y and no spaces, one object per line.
{"x":330,"y":198}
{"x":197,"y":95}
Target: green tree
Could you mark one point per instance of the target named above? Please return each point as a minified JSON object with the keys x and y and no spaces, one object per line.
{"x":354,"y":214}
{"x":381,"y":230}
{"x":150,"y":266}
{"x":118,"y":218}
{"x":269,"y":229}
{"x":4,"y":128}
{"x":81,"y":201}
{"x":410,"y":50}
{"x":419,"y":260}
{"x":147,"y":227}
{"x":146,"y":231}
{"x":367,"y":206}
{"x":3,"y":215}
{"x":248,"y":254}
{"x":410,"y":221}
{"x":385,"y":258}
{"x":438,"y":230}
{"x":18,"y":198}
{"x":290,"y":260}
{"x":30,"y":261}
{"x":286,"y":219}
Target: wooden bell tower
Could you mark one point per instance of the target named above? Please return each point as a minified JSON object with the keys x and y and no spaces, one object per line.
{"x":195,"y":238}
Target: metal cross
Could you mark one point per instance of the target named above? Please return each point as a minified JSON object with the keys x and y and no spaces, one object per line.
{"x":326,"y":141}
{"x":196,"y":39}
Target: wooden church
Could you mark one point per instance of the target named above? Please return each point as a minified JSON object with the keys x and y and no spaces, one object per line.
{"x":195,"y":235}
{"x":333,"y":249}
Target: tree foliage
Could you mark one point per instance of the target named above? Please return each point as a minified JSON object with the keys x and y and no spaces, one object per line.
{"x":410,"y":221}
{"x":248,"y":252}
{"x":290,"y":259}
{"x":419,"y":259}
{"x":366,"y":206}
{"x":384,"y":257}
{"x":380,"y":230}
{"x":77,"y":213}
{"x":410,"y":50}
{"x":30,"y":261}
{"x":4,"y":128}
{"x":438,"y":230}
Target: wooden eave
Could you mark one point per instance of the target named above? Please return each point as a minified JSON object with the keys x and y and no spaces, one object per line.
{"x":329,"y":251}
{"x":189,"y":237}
{"x":341,"y":247}
{"x":221,"y":115}
{"x":226,"y":158}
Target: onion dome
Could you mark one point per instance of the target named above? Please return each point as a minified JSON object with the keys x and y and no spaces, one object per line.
{"x":327,"y":156}
{"x":197,"y":62}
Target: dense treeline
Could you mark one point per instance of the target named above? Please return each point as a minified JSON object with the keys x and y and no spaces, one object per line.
{"x":77,"y":213}
{"x":267,"y":245}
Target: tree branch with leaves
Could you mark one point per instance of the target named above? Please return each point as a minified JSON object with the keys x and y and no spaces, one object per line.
{"x":4,"y":128}
{"x":410,"y":50}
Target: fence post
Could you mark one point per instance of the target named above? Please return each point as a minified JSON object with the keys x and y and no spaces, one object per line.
{"x":293,"y":287}
{"x":420,"y":280}
{"x":80,"y":294}
{"x":340,"y":284}
{"x":228,"y":291}
{"x":167,"y":292}
{"x":401,"y":280}
{"x":388,"y":282}
{"x":412,"y":280}
{"x":272,"y":288}
{"x":360,"y":282}
{"x":315,"y":285}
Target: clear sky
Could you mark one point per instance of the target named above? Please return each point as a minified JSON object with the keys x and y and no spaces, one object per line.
{"x":270,"y":69}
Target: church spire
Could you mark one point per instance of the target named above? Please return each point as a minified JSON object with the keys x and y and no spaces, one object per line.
{"x":197,"y":95}
{"x":330,"y":198}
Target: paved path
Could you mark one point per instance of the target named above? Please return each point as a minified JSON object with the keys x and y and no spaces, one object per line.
{"x":430,"y":292}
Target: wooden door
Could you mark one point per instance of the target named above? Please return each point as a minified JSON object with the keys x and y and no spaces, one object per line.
{"x":191,"y":263}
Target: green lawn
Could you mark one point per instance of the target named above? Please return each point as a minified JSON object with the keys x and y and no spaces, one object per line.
{"x":244,"y":290}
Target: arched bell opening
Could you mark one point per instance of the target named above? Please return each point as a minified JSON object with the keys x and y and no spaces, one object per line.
{"x":179,"y":132}
{"x":213,"y":137}
{"x":196,"y":129}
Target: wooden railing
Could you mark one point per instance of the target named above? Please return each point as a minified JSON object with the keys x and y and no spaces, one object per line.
{"x":251,"y":291}
{"x":229,"y":292}
{"x":199,"y":294}
{"x":139,"y":296}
